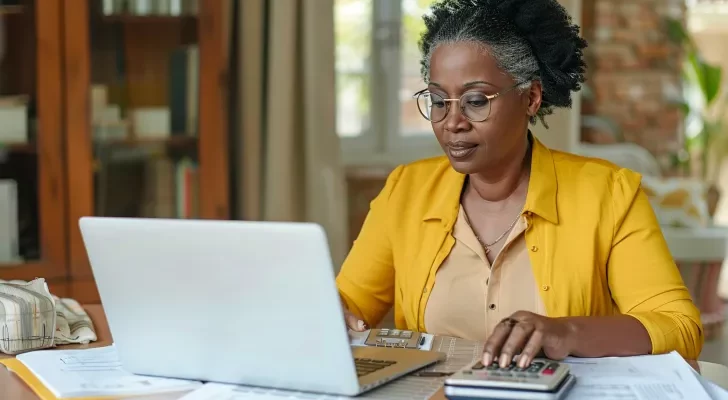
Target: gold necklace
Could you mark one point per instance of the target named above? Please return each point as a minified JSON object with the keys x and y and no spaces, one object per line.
{"x":486,"y":246}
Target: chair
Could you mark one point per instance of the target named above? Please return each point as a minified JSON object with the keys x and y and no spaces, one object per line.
{"x":716,"y":373}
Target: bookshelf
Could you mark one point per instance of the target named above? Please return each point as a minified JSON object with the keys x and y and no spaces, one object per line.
{"x":11,"y":10}
{"x":32,"y":225}
{"x":127,"y":117}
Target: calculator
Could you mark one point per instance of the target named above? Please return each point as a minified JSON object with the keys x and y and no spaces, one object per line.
{"x":394,"y":338}
{"x":543,"y":379}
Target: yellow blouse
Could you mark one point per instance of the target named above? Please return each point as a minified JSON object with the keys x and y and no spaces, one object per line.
{"x":593,"y":240}
{"x":471,"y":296}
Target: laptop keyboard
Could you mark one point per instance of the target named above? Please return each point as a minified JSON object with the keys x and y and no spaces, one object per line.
{"x":365,"y":366}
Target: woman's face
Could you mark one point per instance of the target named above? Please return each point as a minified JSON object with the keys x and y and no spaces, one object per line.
{"x":476,"y":147}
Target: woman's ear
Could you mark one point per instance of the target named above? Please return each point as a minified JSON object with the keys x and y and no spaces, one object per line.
{"x":535,"y":96}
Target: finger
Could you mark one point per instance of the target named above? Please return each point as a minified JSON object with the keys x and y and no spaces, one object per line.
{"x":354,"y":323}
{"x":520,"y":334}
{"x":495,"y":342}
{"x":531,"y":349}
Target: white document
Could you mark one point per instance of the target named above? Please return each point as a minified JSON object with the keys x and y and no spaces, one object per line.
{"x":716,"y":392}
{"x":94,"y":372}
{"x":654,"y":377}
{"x":220,"y":391}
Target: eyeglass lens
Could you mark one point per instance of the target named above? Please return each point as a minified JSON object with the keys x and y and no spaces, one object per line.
{"x":475,"y":106}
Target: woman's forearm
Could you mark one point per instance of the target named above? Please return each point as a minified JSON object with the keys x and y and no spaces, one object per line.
{"x":620,"y":335}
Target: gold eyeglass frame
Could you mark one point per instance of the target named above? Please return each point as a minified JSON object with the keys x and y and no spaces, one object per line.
{"x":490,"y":98}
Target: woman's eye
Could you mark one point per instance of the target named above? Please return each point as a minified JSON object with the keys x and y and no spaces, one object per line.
{"x":477,"y":101}
{"x":438,"y":104}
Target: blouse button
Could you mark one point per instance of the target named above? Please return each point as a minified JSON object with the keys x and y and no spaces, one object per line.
{"x":534,"y":249}
{"x":545,"y":288}
{"x":424,"y":290}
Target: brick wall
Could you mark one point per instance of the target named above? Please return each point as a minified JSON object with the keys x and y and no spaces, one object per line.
{"x":633,"y":71}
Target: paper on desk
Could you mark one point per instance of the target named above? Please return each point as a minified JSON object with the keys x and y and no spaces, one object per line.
{"x":220,"y":391}
{"x":716,"y":392}
{"x":94,"y":372}
{"x":654,"y":377}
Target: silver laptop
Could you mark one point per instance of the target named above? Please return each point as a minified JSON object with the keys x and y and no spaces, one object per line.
{"x":252,"y":303}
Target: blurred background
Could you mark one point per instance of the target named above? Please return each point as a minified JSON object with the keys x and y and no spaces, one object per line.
{"x":296,"y":110}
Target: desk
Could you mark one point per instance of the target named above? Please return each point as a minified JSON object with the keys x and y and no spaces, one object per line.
{"x":12,"y":387}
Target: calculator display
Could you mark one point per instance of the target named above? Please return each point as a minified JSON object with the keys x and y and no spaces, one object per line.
{"x":393,"y":338}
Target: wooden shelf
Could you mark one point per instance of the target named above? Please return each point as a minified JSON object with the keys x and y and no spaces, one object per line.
{"x":11,"y":10}
{"x":25,"y":148}
{"x":175,"y":141}
{"x":19,"y":264}
{"x":150,"y":19}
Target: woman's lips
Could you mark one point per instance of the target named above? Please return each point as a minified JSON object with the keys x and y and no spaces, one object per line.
{"x":460,"y":150}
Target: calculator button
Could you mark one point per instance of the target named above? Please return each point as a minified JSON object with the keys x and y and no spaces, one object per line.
{"x":478,"y":365}
{"x":550,"y":369}
{"x":406,"y":334}
{"x":534,"y":368}
{"x":493,"y":367}
{"x":383,"y":332}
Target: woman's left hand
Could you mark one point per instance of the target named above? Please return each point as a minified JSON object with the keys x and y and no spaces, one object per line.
{"x":527,"y":334}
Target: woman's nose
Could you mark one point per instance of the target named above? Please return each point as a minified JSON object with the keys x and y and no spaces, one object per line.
{"x":455,"y":121}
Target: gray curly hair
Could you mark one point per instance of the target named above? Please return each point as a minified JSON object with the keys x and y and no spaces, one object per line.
{"x":531,"y":40}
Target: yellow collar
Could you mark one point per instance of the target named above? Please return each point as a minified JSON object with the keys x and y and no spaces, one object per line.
{"x":540,"y":200}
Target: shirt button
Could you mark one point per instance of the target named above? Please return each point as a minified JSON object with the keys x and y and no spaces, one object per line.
{"x":424,"y":290}
{"x":492,"y":306}
{"x":534,"y":249}
{"x":545,"y":288}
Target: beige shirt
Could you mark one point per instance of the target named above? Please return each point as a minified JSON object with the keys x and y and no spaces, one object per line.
{"x":471,"y":297}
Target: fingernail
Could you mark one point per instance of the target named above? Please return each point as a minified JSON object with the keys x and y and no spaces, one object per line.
{"x":504,"y":361}
{"x":522,"y":362}
{"x":487,"y":359}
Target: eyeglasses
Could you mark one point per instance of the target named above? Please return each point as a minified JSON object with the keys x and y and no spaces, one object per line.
{"x":474,"y":106}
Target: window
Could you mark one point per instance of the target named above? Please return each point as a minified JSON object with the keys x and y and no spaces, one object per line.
{"x":377,"y":72}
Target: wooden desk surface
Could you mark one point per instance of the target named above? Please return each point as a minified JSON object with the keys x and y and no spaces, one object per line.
{"x":12,"y":387}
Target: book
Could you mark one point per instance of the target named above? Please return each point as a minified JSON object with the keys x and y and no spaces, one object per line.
{"x":95,"y":372}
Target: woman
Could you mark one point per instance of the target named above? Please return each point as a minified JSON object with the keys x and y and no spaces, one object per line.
{"x":503,"y":240}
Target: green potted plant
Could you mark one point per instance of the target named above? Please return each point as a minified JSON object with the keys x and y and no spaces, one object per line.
{"x":705,"y":138}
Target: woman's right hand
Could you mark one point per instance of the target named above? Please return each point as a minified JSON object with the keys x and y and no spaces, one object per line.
{"x":353,"y":322}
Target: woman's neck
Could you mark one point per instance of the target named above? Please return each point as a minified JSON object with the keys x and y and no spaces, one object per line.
{"x":499,"y":184}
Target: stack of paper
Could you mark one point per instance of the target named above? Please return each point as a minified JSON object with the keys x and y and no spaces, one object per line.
{"x":93,"y":372}
{"x":658,"y":377}
{"x":27,"y":316}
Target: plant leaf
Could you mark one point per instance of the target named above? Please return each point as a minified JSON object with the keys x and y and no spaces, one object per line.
{"x":682,"y":105}
{"x":676,"y":31}
{"x":713,"y":77}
